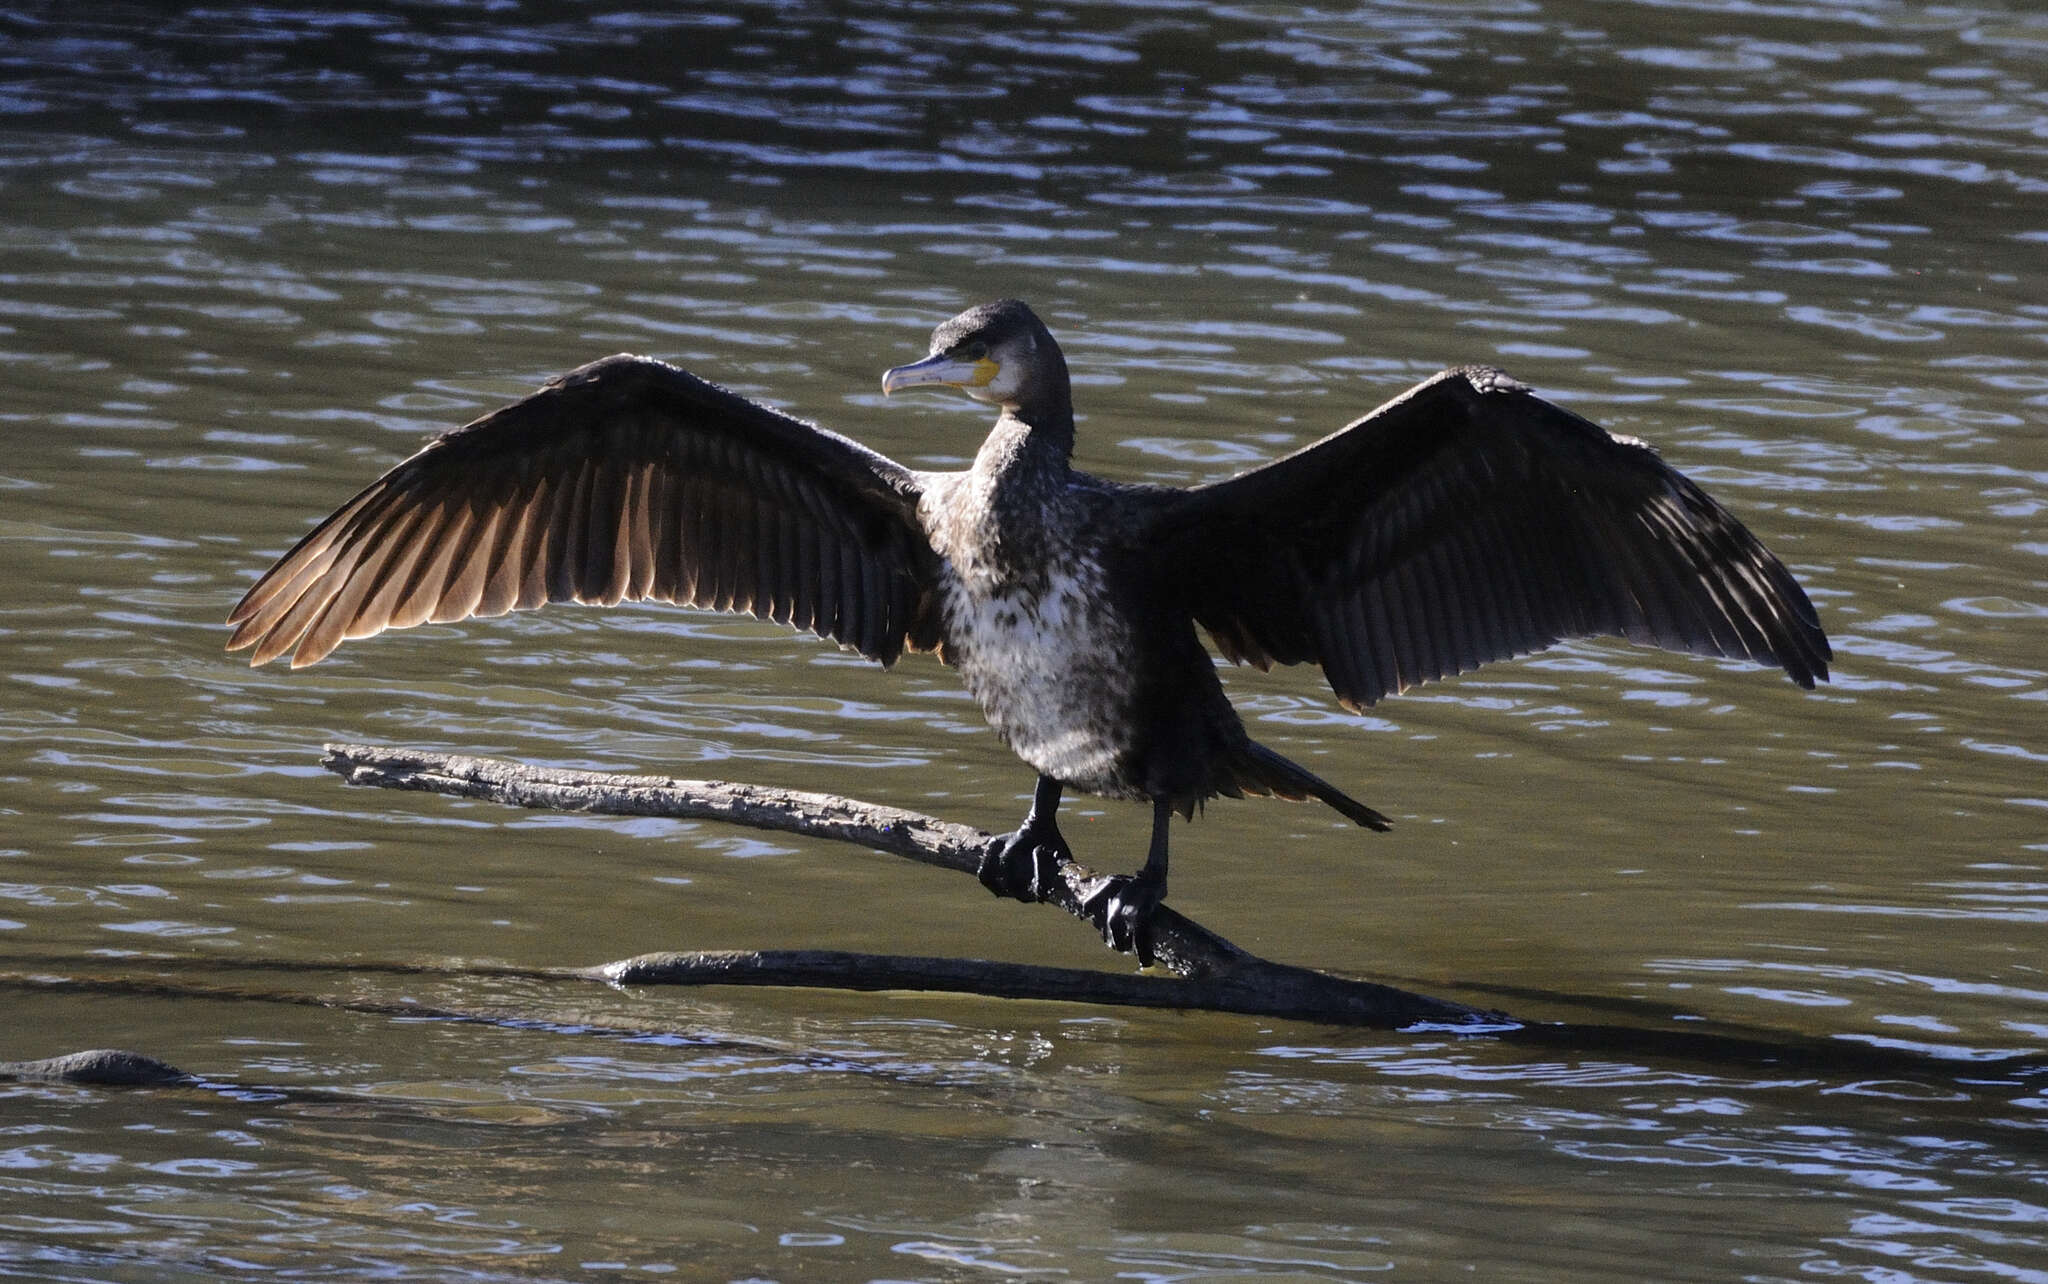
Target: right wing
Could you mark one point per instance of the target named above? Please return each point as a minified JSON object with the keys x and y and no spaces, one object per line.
{"x":627,"y":479}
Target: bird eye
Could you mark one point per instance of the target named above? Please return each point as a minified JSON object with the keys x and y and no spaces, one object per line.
{"x":974,"y":351}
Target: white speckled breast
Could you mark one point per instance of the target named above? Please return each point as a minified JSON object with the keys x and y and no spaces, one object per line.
{"x":1042,"y":652}
{"x":1049,"y":671}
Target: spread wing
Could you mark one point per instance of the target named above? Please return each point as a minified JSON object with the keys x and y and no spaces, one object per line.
{"x":1469,"y":520}
{"x":625,"y":479}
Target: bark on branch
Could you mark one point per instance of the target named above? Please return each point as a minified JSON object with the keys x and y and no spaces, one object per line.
{"x":1214,"y":974}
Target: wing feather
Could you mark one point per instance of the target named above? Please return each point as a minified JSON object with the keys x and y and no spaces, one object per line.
{"x":1468,"y":521}
{"x":625,"y":480}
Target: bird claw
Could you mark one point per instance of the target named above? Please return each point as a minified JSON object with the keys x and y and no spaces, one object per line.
{"x":1023,"y":865}
{"x":1121,"y":907}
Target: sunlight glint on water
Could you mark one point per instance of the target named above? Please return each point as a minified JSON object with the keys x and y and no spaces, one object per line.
{"x":250,"y":258}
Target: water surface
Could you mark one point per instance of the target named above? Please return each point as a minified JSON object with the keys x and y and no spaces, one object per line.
{"x":250,"y":257}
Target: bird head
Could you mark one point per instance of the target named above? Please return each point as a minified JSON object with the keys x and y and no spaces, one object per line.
{"x":995,"y":353}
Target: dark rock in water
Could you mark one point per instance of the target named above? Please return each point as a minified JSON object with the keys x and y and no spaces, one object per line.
{"x":110,"y":1067}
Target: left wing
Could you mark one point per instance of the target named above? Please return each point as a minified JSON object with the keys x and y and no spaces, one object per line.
{"x":1469,"y":520}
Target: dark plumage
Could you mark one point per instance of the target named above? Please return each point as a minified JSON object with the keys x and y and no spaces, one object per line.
{"x":1466,"y":520}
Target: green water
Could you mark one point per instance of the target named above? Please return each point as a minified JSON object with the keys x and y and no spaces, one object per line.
{"x":249,"y":258}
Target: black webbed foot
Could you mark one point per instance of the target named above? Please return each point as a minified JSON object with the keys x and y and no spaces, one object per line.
{"x":1024,"y":865}
{"x":1121,"y":907}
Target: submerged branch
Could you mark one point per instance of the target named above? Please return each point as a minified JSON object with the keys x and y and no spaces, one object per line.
{"x":1254,"y":988}
{"x":1215,"y":974}
{"x":1787,"y":1062}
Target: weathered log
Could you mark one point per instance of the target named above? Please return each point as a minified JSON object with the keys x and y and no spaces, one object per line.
{"x":1255,"y":987}
{"x":1215,"y":974}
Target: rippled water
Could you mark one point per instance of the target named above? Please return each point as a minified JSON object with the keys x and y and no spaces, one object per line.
{"x":249,"y":257}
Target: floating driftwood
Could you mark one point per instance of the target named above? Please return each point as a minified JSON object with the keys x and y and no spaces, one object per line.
{"x":1211,"y":972}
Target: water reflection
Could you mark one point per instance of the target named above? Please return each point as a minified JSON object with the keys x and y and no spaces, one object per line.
{"x":983,"y":1132}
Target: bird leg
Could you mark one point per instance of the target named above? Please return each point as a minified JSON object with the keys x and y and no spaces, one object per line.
{"x":1022,"y":865}
{"x":1122,"y":904}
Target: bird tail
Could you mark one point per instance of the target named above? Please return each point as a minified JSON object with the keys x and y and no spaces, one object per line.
{"x":1261,"y":771}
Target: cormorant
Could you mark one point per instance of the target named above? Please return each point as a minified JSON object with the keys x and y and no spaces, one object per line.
{"x":1466,"y":520}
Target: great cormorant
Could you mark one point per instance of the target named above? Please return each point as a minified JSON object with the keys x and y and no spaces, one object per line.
{"x":1466,"y":520}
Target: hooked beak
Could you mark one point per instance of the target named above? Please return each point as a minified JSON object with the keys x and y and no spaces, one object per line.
{"x":940,"y":369}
